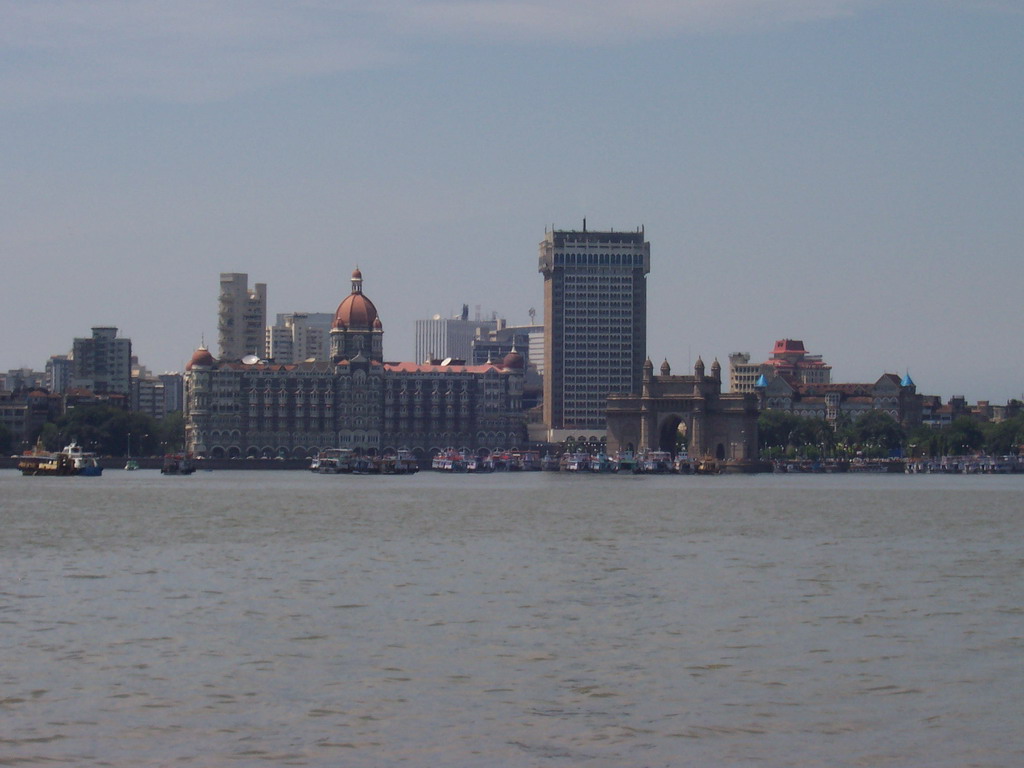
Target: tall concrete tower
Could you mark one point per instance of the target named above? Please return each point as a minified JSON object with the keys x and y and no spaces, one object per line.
{"x":595,"y":323}
{"x":241,"y":317}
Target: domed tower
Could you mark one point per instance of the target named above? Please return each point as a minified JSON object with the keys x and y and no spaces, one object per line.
{"x":666,"y":369}
{"x":716,"y":371}
{"x":357,"y":327}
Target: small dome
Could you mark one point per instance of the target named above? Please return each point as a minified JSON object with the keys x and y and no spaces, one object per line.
{"x":666,"y":369}
{"x":377,"y":324}
{"x":201,"y":357}
{"x":513,"y":360}
{"x":356,"y":274}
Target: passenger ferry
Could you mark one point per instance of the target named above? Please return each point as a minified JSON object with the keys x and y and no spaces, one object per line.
{"x":72,"y":460}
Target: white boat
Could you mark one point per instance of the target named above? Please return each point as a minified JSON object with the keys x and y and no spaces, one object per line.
{"x":84,"y":463}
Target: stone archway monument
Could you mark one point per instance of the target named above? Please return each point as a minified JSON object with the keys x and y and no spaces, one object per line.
{"x":719,"y":428}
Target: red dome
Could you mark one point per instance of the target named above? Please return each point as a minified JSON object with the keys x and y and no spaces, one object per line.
{"x":356,"y":311}
{"x":202,"y":357}
{"x":513,"y":360}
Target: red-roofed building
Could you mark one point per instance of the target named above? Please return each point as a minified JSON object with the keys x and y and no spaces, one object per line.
{"x":357,"y":400}
{"x":789,"y":358}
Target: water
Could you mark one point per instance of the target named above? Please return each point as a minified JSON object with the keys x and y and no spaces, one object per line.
{"x":281,"y":618}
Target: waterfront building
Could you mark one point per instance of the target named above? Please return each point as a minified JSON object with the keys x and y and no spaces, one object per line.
{"x":102,"y":363}
{"x":839,"y":403}
{"x":241,"y":317}
{"x":300,"y":336}
{"x":789,"y":358}
{"x":595,"y":324}
{"x":690,"y":410}
{"x":251,"y":407}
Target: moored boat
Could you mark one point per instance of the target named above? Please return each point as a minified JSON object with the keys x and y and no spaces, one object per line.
{"x":178,"y":464}
{"x":655,"y":463}
{"x":401,"y":463}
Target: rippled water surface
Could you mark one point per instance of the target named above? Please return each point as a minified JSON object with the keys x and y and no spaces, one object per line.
{"x":281,"y":618}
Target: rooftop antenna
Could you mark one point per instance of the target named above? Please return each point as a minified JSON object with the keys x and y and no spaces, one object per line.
{"x":584,"y":223}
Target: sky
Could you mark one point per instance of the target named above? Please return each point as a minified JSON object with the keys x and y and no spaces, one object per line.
{"x":845,"y":172}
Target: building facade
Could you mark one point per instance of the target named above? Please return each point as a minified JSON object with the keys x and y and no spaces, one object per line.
{"x":440,"y":338}
{"x":839,"y":403}
{"x":789,"y":359}
{"x":247,"y":408}
{"x":102,"y":363}
{"x":300,"y":336}
{"x":241,"y":317}
{"x":595,"y":323}
{"x":671,"y":409}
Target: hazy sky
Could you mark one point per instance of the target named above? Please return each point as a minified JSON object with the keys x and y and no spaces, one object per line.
{"x":846,"y":172}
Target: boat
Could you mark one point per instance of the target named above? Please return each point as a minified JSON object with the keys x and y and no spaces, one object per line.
{"x":365,"y":465}
{"x":576,"y":462}
{"x":178,"y":464}
{"x":450,"y":461}
{"x":131,"y":465}
{"x":401,"y":463}
{"x":549,"y":463}
{"x":525,"y":461}
{"x":602,"y":463}
{"x":625,"y":461}
{"x":655,"y":463}
{"x":71,"y":460}
{"x":334,"y":461}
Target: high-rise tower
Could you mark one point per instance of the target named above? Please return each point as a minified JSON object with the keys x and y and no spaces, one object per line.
{"x":595,"y":322}
{"x":242,"y":317}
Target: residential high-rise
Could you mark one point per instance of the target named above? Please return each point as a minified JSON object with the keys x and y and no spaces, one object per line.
{"x":242,"y":317}
{"x":595,"y":324}
{"x":299,"y":336}
{"x":103,"y":362}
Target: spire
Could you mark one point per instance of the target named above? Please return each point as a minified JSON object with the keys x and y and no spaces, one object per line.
{"x":666,"y":369}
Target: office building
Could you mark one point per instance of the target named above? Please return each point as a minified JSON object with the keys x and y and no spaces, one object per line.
{"x":595,"y":324}
{"x":102,"y":363}
{"x":242,"y":317}
{"x":441,"y":338}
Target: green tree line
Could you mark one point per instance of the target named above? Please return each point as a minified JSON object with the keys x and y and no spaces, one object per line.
{"x":877,"y":434}
{"x":111,"y":431}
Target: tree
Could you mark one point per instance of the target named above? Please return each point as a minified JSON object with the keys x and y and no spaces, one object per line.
{"x":172,"y":431}
{"x":877,"y":433}
{"x":964,"y":436}
{"x":1004,"y":437}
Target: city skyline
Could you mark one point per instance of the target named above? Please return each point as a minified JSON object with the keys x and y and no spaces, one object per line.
{"x":846,"y":173}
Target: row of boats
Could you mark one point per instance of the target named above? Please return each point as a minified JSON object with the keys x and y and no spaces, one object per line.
{"x":346,"y":461}
{"x":73,"y":460}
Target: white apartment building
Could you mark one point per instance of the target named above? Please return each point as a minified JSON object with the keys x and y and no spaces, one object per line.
{"x":300,"y":336}
{"x":242,"y":317}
